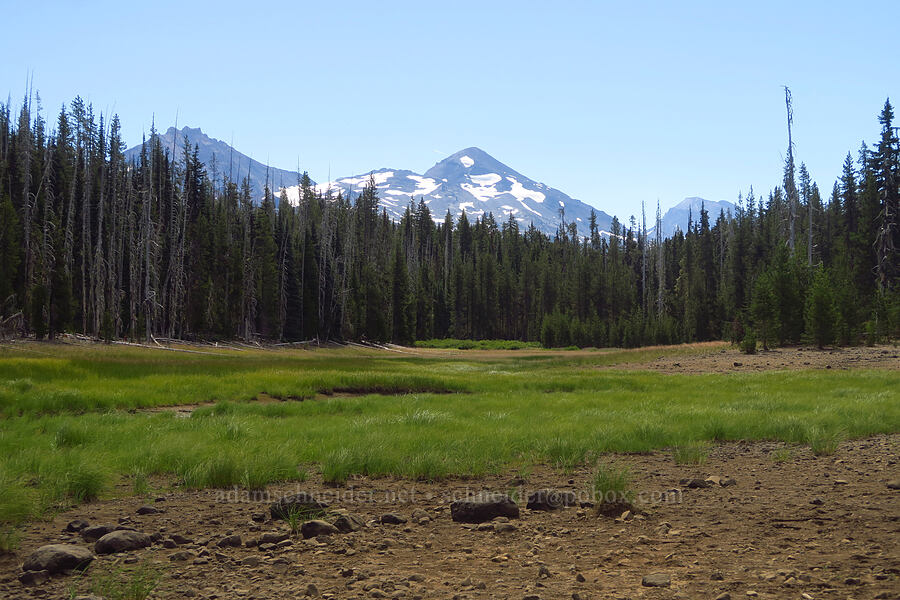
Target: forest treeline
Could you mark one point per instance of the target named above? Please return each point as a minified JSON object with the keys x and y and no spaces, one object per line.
{"x":96,"y":244}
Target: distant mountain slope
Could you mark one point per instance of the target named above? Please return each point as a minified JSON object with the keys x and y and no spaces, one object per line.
{"x":226,"y":159}
{"x":471,"y":180}
{"x":677,"y":216}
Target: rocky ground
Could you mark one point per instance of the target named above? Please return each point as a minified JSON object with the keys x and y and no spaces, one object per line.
{"x":789,"y":525}
{"x":727,"y":359}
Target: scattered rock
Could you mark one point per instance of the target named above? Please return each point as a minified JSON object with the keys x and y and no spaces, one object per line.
{"x":54,"y":558}
{"x":483,"y":507}
{"x":147,"y":510}
{"x":894,"y":484}
{"x":543,"y":571}
{"x":258,"y":517}
{"x":316,"y":528}
{"x":273,"y":537}
{"x":550,"y":499}
{"x":817,"y":501}
{"x":393,"y":519}
{"x":30,"y":578}
{"x":349,"y":522}
{"x":724,"y":596}
{"x":77,"y":525}
{"x":505,"y":528}
{"x":301,"y":502}
{"x":251,"y":561}
{"x":121,"y":540}
{"x":231,"y":541}
{"x":95,"y":532}
{"x":311,"y":590}
{"x":182,"y":556}
{"x":696,"y":483}
{"x":656,"y":580}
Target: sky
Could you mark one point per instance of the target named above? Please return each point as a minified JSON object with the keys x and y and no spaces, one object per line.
{"x":614,"y":103}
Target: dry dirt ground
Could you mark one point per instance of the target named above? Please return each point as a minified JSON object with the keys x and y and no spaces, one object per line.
{"x":805,"y":527}
{"x":723,"y":358}
{"x":792,"y":526}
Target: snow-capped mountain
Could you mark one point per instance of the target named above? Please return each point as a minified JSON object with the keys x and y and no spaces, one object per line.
{"x":226,"y":159}
{"x":677,"y":217}
{"x":475,"y":182}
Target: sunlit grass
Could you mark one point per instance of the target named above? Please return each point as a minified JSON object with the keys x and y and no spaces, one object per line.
{"x":72,"y":425}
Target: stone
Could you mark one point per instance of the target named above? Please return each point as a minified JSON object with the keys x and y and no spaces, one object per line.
{"x":550,"y":499}
{"x":30,"y":578}
{"x":894,"y":484}
{"x":95,"y":532}
{"x":77,"y":525}
{"x":817,"y":501}
{"x":393,"y":519}
{"x":301,"y":502}
{"x":231,"y":541}
{"x":258,"y":517}
{"x":696,"y":484}
{"x":182,"y":556}
{"x":121,"y":540}
{"x":273,"y":537}
{"x":147,"y":510}
{"x":169,"y":544}
{"x":505,"y":528}
{"x":251,"y":561}
{"x":724,"y":596}
{"x":311,"y":590}
{"x":656,"y":580}
{"x":180,"y":539}
{"x":483,"y":507}
{"x":543,"y":571}
{"x":348,"y":523}
{"x":54,"y":558}
{"x":316,"y":528}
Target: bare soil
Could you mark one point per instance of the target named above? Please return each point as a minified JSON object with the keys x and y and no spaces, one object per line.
{"x":828,"y":527}
{"x":722,"y":358}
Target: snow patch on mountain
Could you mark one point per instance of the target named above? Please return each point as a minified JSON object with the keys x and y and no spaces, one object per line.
{"x":466,"y":161}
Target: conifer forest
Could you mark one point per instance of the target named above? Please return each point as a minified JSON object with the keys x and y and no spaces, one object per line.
{"x":116,"y":249}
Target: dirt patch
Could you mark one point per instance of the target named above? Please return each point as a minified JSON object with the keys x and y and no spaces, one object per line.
{"x":186,"y":410}
{"x":791,"y":524}
{"x":727,"y":359}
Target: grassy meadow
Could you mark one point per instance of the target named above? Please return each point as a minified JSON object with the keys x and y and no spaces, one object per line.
{"x":74,"y":419}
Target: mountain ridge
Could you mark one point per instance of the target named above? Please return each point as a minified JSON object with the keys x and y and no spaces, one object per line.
{"x":469,"y":180}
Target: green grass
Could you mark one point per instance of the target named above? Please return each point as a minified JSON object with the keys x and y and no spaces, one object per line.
{"x":71,"y":427}
{"x":694,"y":453}
{"x":117,"y":583}
{"x":782,"y":455}
{"x":611,"y":489}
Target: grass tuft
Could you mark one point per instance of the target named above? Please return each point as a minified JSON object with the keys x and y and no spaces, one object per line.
{"x":694,"y":453}
{"x":823,"y":442}
{"x":782,"y":455}
{"x":611,"y":489}
{"x":118,"y":584}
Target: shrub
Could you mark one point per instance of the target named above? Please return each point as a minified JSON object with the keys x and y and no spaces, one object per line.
{"x":748,"y":344}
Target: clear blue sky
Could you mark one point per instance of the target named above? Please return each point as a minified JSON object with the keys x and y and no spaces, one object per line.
{"x":613,"y":103}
